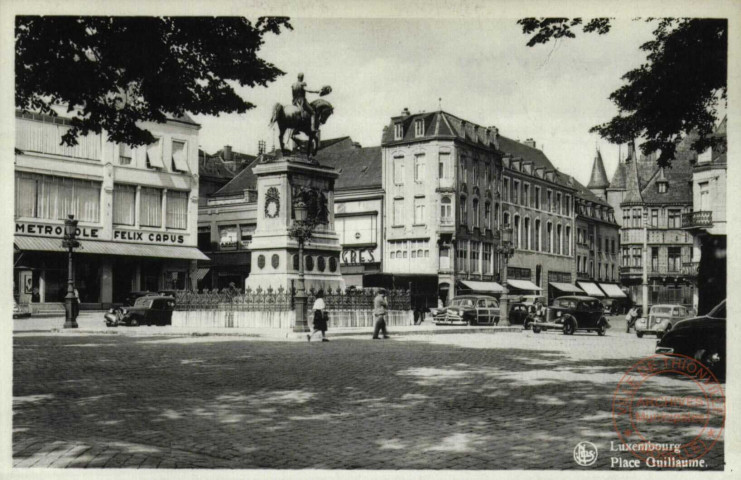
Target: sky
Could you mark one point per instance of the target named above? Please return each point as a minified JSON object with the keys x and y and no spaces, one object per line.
{"x":481,"y":70}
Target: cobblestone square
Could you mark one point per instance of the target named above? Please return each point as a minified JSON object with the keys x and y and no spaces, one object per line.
{"x":466,"y":401}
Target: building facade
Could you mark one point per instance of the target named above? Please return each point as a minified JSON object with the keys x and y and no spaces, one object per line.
{"x":649,"y":203}
{"x":137,"y":211}
{"x":707,"y":225}
{"x":442,"y":179}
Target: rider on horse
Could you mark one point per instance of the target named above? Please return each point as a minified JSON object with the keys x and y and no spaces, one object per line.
{"x":299,"y":91}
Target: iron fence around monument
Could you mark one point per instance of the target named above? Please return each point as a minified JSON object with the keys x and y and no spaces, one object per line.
{"x":234,"y":299}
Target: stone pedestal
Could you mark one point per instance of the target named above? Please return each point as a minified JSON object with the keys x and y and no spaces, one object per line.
{"x":274,"y":253}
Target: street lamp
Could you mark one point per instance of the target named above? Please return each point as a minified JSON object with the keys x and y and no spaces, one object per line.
{"x":70,"y":243}
{"x":506,"y":250}
{"x":301,"y":231}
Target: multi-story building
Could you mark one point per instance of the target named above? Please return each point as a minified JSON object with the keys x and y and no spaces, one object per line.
{"x":442,"y":181}
{"x":137,"y":211}
{"x":649,"y":202}
{"x":707,"y":224}
{"x":537,"y":201}
{"x":597,"y":249}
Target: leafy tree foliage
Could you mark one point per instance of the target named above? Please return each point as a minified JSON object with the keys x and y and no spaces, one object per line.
{"x":677,"y":91}
{"x":112,"y":72}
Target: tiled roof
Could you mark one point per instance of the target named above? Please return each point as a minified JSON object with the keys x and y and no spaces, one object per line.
{"x":358,"y":167}
{"x":213,"y":166}
{"x":584,"y":192}
{"x":599,"y":176}
{"x":618,"y":178}
{"x":440,"y":124}
{"x":244,"y":180}
{"x":679,"y":190}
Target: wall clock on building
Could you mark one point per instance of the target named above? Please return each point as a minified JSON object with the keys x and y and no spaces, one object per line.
{"x":272,"y":202}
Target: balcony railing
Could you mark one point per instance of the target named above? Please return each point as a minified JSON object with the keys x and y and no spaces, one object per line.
{"x":690,"y":269}
{"x":697,"y":219}
{"x":631,"y":270}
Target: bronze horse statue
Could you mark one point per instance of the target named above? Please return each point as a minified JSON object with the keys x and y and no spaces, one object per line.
{"x":292,"y":117}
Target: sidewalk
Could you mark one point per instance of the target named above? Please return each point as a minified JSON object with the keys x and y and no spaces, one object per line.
{"x":91,"y":322}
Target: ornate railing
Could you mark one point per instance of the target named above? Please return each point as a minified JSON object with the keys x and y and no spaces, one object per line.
{"x":281,"y":299}
{"x":361,"y":299}
{"x":234,"y":299}
{"x":697,"y":219}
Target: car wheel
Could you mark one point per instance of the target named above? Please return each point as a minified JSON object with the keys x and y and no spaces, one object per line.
{"x":568,"y":327}
{"x":639,"y":334}
{"x":601,"y":330}
{"x":536,"y":329}
{"x":134,"y":322}
{"x":710,"y":357}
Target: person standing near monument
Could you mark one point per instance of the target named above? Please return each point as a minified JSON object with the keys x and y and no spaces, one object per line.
{"x":320,"y":317}
{"x":380,"y":311}
{"x":299,"y":92}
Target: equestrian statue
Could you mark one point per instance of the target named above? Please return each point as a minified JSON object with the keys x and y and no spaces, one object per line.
{"x":303,"y":116}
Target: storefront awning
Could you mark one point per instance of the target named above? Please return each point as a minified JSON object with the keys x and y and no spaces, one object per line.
{"x":201,"y":273}
{"x":566,"y":287}
{"x":523,"y":285}
{"x":489,"y":287}
{"x":612,"y":290}
{"x":591,"y":289}
{"x":44,"y":244}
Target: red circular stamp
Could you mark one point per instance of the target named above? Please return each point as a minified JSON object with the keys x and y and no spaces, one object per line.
{"x":669,"y":411}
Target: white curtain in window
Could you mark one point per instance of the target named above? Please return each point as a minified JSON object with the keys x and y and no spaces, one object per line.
{"x":88,"y":200}
{"x":25,"y":195}
{"x":124,"y":204}
{"x":150,"y":210}
{"x":47,"y":197}
{"x":177,"y":209}
{"x":66,"y":204}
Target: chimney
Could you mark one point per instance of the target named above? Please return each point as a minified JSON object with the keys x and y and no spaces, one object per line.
{"x":405,"y":112}
{"x":227,"y":153}
{"x":529,"y":142}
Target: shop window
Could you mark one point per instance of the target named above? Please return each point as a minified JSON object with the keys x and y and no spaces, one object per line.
{"x":227,"y":237}
{"x":245,"y":235}
{"x":204,"y":238}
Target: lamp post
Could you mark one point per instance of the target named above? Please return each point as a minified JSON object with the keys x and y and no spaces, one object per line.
{"x":301,"y":230}
{"x":70,"y":243}
{"x":506,"y":250}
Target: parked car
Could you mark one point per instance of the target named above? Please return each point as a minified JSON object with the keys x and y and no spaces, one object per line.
{"x":521,"y":314}
{"x":703,"y":338}
{"x":21,"y":311}
{"x":572,"y":313}
{"x":616,"y":306}
{"x":147,"y":310}
{"x":661,"y":319}
{"x":469,"y":310}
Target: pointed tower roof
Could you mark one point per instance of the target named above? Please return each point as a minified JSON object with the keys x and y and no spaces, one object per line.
{"x":599,"y":176}
{"x":632,"y":182}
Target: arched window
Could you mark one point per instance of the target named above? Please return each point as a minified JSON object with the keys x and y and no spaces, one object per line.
{"x":549,"y":237}
{"x":538,"y":236}
{"x":559,"y":239}
{"x":526,"y":234}
{"x":496,"y":215}
{"x":505,"y":219}
{"x":487,"y":214}
{"x":464,"y":212}
{"x":516,"y":232}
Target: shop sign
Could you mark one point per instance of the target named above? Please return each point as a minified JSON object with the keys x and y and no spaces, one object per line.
{"x":54,"y":230}
{"x":147,"y":237}
{"x":358,"y":256}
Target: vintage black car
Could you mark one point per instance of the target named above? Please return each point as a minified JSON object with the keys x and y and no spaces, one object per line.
{"x":469,"y":310}
{"x":150,"y":309}
{"x":573,"y":313}
{"x":703,"y":338}
{"x":521,"y":314}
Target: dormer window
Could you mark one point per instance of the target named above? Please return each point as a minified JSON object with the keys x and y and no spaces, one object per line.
{"x":398,"y":131}
{"x":663,"y":186}
{"x":419,"y":128}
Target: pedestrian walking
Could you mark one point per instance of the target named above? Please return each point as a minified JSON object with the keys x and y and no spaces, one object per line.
{"x":320,"y":317}
{"x":76,"y":304}
{"x":631,"y":317}
{"x":380,"y":311}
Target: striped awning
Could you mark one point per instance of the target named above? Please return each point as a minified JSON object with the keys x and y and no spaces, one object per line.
{"x":566,"y":287}
{"x":523,"y":285}
{"x":45,"y":244}
{"x":489,"y":287}
{"x":612,"y":290}
{"x":202,"y":272}
{"x":591,"y":289}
